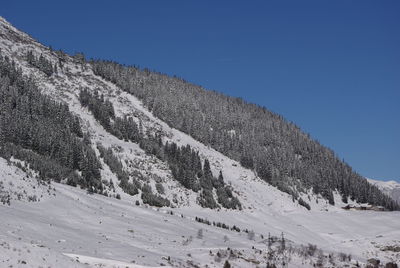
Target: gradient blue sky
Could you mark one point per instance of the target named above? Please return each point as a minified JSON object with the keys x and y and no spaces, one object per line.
{"x":332,"y":67}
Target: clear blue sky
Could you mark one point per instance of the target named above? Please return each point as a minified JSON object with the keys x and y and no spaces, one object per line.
{"x":332,"y":67}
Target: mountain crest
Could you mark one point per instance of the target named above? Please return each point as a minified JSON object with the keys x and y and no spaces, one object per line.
{"x":137,"y":163}
{"x":145,"y":114}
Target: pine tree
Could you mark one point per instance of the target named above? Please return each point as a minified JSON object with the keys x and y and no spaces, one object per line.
{"x":227,"y":264}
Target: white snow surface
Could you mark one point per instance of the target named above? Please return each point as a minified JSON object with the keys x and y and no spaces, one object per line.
{"x":71,"y":227}
{"x":108,"y":231}
{"x":391,"y":188}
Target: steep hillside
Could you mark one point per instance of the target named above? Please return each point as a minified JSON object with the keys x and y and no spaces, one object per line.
{"x":289,"y":160}
{"x":278,"y":151}
{"x":391,"y":188}
{"x":66,"y":86}
{"x":118,"y":183}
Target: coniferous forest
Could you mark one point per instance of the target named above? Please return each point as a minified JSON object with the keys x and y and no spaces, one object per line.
{"x":277,"y":150}
{"x":184,"y":162}
{"x":108,"y":165}
{"x":42,"y":132}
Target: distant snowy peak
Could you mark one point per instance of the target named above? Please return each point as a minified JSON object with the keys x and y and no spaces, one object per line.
{"x":391,"y":188}
{"x":389,"y":185}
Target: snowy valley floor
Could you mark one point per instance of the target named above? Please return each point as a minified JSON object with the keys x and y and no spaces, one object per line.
{"x":74,"y":228}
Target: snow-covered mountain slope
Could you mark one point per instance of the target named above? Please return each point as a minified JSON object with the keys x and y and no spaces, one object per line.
{"x":391,"y":188}
{"x":65,"y":86}
{"x":21,"y":183}
{"x":99,"y":229}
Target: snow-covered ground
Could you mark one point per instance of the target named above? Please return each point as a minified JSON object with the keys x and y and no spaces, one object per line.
{"x":18,"y":184}
{"x":98,"y":230}
{"x":69,"y":227}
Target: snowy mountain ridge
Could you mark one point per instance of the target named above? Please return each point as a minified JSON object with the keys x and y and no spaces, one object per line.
{"x":65,"y":87}
{"x":115,"y":229}
{"x":391,"y":188}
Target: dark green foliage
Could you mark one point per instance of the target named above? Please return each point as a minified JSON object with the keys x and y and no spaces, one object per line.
{"x":227,"y":264}
{"x":47,"y":168}
{"x":112,"y":161}
{"x":262,"y":140}
{"x":226,"y":199}
{"x":264,"y":172}
{"x":185,"y":163}
{"x":221,"y":225}
{"x":123,"y":128}
{"x":152,"y":145}
{"x":224,"y":193}
{"x":5,"y":198}
{"x":152,"y":199}
{"x":345,"y":199}
{"x":207,"y":200}
{"x":207,"y":180}
{"x":304,"y":204}
{"x":201,"y":220}
{"x":186,"y":168}
{"x":41,"y":63}
{"x":116,"y":167}
{"x":235,"y":228}
{"x":43,"y":132}
{"x":102,"y":109}
{"x":218,"y":224}
{"x":79,"y":57}
{"x":220,"y":182}
{"x":128,"y":187}
{"x":391,"y":265}
{"x":246,"y":160}
{"x":160,"y":188}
